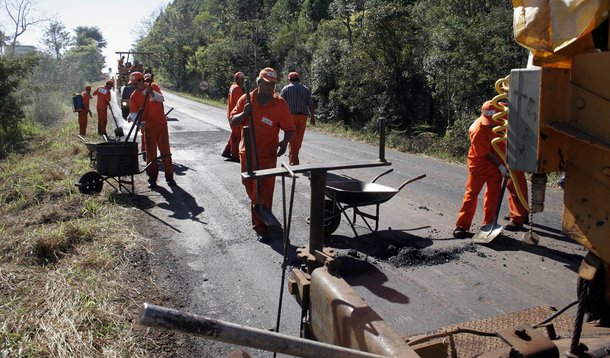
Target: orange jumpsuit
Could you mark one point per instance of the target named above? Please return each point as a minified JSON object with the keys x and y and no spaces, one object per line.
{"x":481,"y":171}
{"x":517,"y":212}
{"x":268,"y":120}
{"x":232,"y":147}
{"x":155,"y":133}
{"x":103,"y":101}
{"x":300,"y":121}
{"x":82,"y":113}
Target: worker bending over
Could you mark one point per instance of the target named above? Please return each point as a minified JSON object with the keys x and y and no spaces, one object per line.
{"x":235,"y":92}
{"x":154,"y":123}
{"x":269,"y":113}
{"x":82,"y":113}
{"x":300,"y":103}
{"x":484,"y":167}
{"x":103,"y":94}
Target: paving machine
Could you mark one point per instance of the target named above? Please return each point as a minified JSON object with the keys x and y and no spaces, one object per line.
{"x":558,"y":121}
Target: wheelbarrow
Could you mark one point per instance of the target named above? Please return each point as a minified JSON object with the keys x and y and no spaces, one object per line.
{"x":354,"y":194}
{"x":113,"y":160}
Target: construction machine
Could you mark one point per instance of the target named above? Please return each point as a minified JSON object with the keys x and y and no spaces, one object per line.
{"x":558,"y":120}
{"x":131,"y":61}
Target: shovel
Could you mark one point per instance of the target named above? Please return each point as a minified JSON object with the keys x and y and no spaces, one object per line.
{"x":118,"y":130}
{"x":488,"y":232}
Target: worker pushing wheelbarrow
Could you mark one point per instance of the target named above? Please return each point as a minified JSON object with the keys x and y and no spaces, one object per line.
{"x":353,"y":194}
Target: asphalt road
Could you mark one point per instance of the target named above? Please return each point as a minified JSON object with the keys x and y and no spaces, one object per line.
{"x":211,"y":263}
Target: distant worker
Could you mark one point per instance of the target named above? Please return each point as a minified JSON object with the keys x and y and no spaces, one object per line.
{"x":270,"y":113}
{"x":484,"y":168}
{"x":103,"y":101}
{"x":235,"y":92}
{"x":82,"y":113}
{"x":300,"y":103}
{"x":121,"y":62}
{"x":154,"y":124}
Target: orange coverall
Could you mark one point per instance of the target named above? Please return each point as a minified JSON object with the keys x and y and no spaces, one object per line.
{"x":300,"y":121}
{"x":155,"y":133}
{"x":481,"y":171}
{"x":268,"y":120}
{"x":103,"y":101}
{"x":232,"y":147}
{"x":82,"y":113}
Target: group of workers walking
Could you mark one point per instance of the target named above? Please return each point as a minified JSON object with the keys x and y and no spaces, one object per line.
{"x":269,"y":112}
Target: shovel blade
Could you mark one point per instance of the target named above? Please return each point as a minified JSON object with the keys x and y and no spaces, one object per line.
{"x":267,"y":215}
{"x":487,"y":233}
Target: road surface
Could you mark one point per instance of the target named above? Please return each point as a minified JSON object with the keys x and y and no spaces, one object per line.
{"x":211,"y":263}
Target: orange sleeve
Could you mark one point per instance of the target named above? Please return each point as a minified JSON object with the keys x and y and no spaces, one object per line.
{"x":135,"y":102}
{"x":286,"y":121}
{"x":481,"y":141}
{"x":96,"y":91}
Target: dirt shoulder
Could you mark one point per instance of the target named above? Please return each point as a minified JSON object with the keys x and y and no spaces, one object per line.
{"x":74,"y":268}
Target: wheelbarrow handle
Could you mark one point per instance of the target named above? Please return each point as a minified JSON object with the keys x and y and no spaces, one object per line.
{"x":411,"y":181}
{"x":382,"y":174}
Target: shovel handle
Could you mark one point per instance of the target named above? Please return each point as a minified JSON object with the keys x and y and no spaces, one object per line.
{"x":504,"y":183}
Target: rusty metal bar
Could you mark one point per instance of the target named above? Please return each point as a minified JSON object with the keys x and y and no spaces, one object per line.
{"x":382,"y":139}
{"x":166,"y":318}
{"x":316,"y":214}
{"x":247,"y":144}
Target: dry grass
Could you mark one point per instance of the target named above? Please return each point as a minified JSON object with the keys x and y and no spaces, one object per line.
{"x":66,"y":281}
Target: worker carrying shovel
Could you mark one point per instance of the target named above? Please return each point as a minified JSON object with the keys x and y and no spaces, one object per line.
{"x":268,"y":113}
{"x":231,"y":150}
{"x":103,"y":101}
{"x":484,"y":168}
{"x":154,"y":124}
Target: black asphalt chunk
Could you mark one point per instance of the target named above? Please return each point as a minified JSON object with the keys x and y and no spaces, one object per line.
{"x":410,"y":257}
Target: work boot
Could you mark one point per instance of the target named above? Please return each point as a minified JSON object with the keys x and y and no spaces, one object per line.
{"x":526,"y":221}
{"x":460,"y":233}
{"x":152,"y":184}
{"x":171,"y":182}
{"x":513,"y":226}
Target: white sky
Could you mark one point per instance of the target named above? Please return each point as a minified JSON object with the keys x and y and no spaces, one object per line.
{"x":116,"y":20}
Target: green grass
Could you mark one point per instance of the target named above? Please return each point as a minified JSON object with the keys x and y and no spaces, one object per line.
{"x":66,"y":287}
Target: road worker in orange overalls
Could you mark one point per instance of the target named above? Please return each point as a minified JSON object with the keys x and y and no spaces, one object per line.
{"x":484,"y":168}
{"x":82,"y":113}
{"x":103,"y":101}
{"x":270,"y":113}
{"x":235,"y":92}
{"x":155,"y":124}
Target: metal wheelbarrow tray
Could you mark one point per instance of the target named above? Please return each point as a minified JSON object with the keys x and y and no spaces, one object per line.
{"x":345,"y":194}
{"x":113,"y":160}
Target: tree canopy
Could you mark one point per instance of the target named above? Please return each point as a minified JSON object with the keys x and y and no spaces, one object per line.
{"x":418,"y":63}
{"x":84,"y":34}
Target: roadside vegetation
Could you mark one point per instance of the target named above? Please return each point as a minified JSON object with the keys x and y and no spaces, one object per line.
{"x":426,"y":66}
{"x":73,"y":269}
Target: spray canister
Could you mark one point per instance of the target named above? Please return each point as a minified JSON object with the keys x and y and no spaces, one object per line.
{"x":538,"y":191}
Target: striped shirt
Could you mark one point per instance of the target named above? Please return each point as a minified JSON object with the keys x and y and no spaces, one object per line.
{"x":298,"y":98}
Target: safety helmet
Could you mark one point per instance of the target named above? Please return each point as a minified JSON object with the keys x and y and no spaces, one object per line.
{"x":487,"y":112}
{"x":135,"y":77}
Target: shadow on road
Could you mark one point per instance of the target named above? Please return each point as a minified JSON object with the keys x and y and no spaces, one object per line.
{"x":276,"y":242}
{"x":505,"y":243}
{"x":359,"y":272}
{"x":182,"y":204}
{"x":141,"y":202}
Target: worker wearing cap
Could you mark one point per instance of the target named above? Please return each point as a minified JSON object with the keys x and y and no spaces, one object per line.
{"x":154,"y":123}
{"x":300,"y":103}
{"x":270,"y":113}
{"x":484,"y":168}
{"x":235,"y":92}
{"x":103,"y":101}
{"x":82,"y":113}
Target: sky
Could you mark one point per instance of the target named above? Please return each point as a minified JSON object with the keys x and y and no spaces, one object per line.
{"x":117,"y":21}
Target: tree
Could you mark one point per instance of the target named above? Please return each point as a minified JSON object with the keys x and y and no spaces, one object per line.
{"x":84,"y":34}
{"x":22,"y":16}
{"x":56,"y":38}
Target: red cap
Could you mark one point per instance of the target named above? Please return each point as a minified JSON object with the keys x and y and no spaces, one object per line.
{"x":135,"y":77}
{"x":487,"y":111}
{"x":239,"y":74}
{"x":293,"y":75}
{"x":268,"y":74}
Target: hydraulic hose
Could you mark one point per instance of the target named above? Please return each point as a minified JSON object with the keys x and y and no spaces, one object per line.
{"x":502,"y":131}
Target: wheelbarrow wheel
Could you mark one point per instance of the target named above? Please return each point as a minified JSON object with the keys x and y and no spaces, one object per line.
{"x":332,"y":217}
{"x":91,"y":182}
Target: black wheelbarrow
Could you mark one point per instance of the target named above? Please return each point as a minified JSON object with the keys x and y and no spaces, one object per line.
{"x":353,"y":194}
{"x":113,"y":160}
